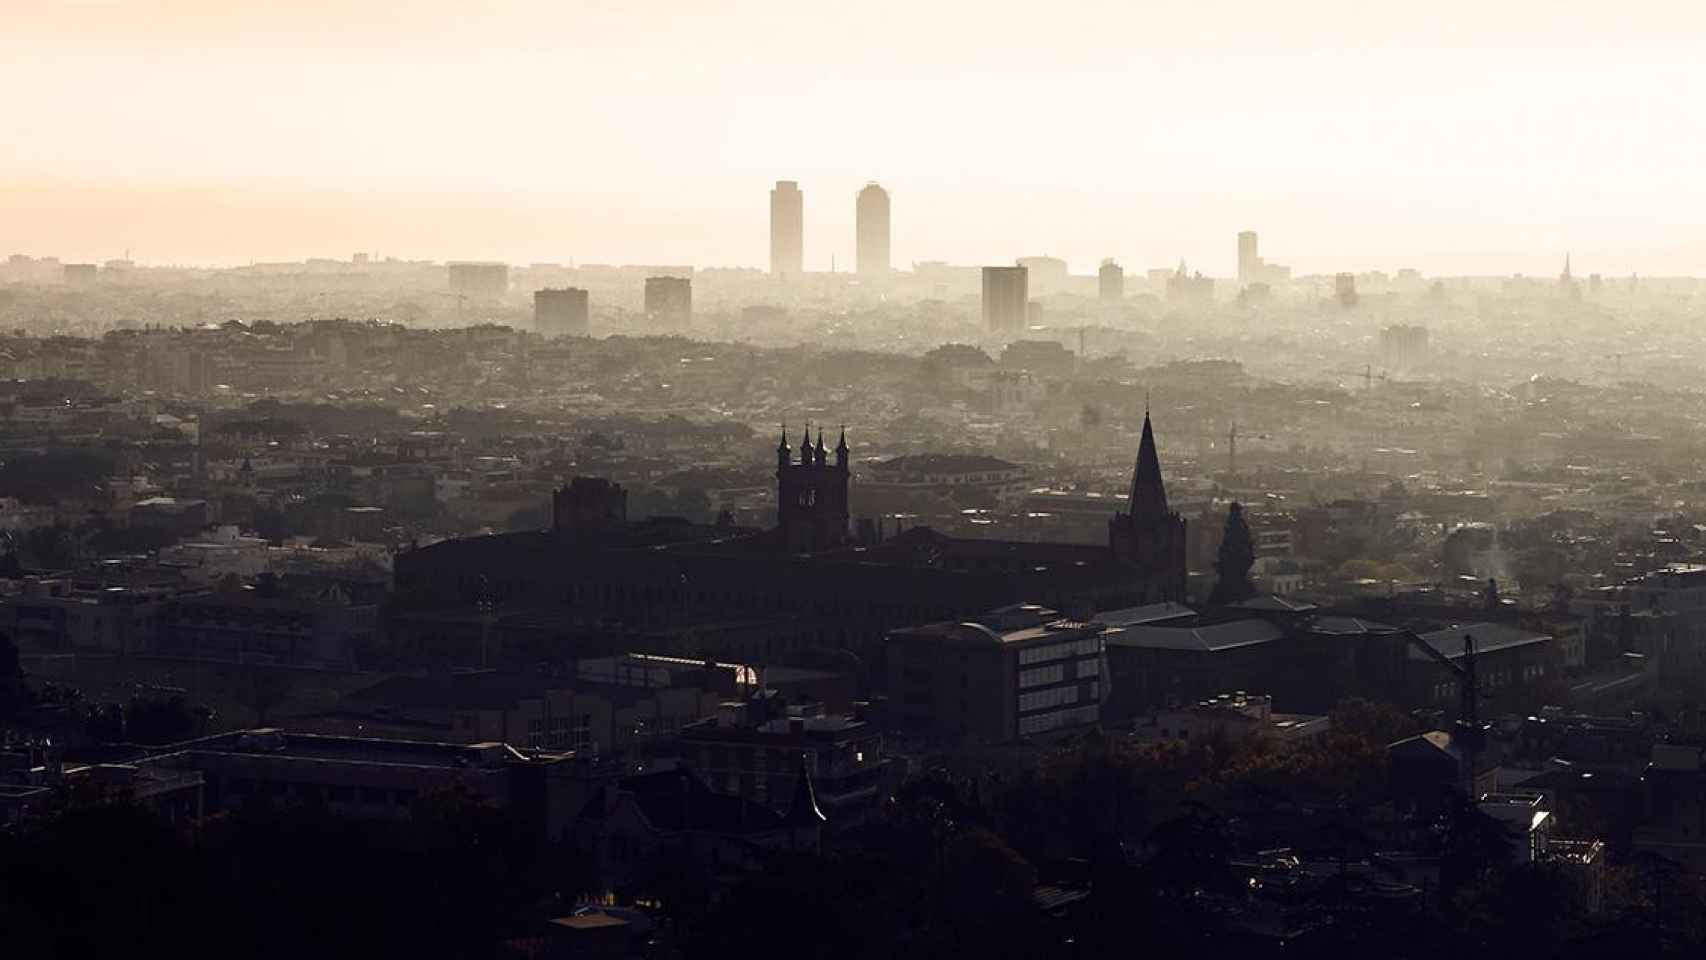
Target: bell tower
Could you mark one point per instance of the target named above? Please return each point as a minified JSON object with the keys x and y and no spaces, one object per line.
{"x":811,"y":494}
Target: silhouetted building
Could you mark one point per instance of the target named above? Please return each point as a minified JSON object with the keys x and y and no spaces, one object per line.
{"x":1151,"y":537}
{"x":787,"y":229}
{"x":1403,"y":345}
{"x":588,"y":505}
{"x":1249,"y":263}
{"x":701,"y":590}
{"x":1006,"y":298}
{"x":1020,"y":671}
{"x":754,"y":748}
{"x":1345,"y":289}
{"x":669,"y":299}
{"x":1110,"y":282}
{"x":873,"y":231}
{"x":369,"y":777}
{"x":561,"y":313}
{"x":811,"y":495}
{"x":1183,"y":285}
{"x":79,"y":274}
{"x":487,"y":281}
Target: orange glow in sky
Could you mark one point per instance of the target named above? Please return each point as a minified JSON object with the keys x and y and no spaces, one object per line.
{"x":1453,"y":137}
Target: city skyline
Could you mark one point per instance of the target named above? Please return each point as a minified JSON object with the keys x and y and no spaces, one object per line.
{"x":192,"y":133}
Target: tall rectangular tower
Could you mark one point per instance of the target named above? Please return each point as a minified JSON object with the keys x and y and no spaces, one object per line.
{"x":561,"y":313}
{"x":1110,"y":282}
{"x":873,"y":231}
{"x":1006,"y":297}
{"x":1249,"y":263}
{"x":787,"y":229}
{"x":669,"y":300}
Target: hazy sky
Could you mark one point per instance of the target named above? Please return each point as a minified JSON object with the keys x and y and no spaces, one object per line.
{"x":1451,"y":136}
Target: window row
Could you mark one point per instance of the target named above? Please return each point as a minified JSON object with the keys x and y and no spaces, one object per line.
{"x":1085,"y":647}
{"x":1044,"y":699}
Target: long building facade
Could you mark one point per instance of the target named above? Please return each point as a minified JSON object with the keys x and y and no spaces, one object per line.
{"x":766,"y":596}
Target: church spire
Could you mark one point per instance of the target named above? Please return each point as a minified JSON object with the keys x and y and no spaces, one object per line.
{"x":1148,"y":493}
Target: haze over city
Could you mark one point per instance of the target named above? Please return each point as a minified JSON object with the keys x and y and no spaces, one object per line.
{"x":1474,"y":139}
{"x":880,"y":481}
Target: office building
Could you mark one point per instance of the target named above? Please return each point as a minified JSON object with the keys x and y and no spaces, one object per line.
{"x":1019,"y":671}
{"x":1249,"y":263}
{"x":787,"y":229}
{"x":1110,"y":282}
{"x":1006,"y":298}
{"x":669,"y":300}
{"x":561,"y":313}
{"x":873,"y":231}
{"x":479,"y":280}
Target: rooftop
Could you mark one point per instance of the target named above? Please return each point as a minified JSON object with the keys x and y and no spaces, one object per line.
{"x":1489,"y":638}
{"x":1208,"y":638}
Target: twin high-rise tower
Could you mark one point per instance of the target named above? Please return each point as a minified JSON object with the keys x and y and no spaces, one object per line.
{"x":788,"y":227}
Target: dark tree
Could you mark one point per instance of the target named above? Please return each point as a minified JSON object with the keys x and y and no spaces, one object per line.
{"x":1237,"y":556}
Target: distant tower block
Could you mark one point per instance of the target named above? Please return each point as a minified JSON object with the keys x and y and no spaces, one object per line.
{"x":1249,"y":261}
{"x":787,"y":229}
{"x":669,"y":300}
{"x":483,"y":281}
{"x":1006,"y":298}
{"x":561,"y":313}
{"x":1345,"y":289}
{"x":873,"y":231}
{"x":1110,"y":282}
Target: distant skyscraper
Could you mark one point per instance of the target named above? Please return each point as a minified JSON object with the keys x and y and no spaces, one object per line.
{"x":873,"y":231}
{"x":1006,"y":298}
{"x":561,"y":313}
{"x":787,"y":229}
{"x":669,"y":299}
{"x":1345,"y":289}
{"x":1110,"y":282}
{"x":1249,"y":263}
{"x":480,"y":280}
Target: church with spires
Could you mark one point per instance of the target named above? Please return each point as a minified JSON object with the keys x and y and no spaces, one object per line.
{"x":811,"y":494}
{"x":806,"y":590}
{"x":1147,"y":536}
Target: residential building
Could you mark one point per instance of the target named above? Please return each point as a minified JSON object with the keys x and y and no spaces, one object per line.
{"x":1019,"y":671}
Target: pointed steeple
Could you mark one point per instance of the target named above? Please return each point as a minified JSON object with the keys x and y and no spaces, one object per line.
{"x":803,"y":812}
{"x":841,"y":450}
{"x":821,"y":452}
{"x":782,"y":449}
{"x":1148,"y":493}
{"x":806,"y":446}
